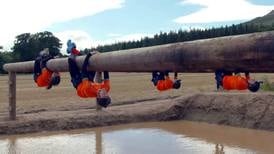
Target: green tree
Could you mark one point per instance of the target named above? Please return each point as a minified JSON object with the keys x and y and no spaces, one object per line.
{"x":27,"y":46}
{"x":5,"y":57}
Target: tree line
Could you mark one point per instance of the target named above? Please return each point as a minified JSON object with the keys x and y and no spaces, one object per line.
{"x":182,"y":36}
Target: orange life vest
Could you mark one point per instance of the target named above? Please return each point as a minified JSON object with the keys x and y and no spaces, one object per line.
{"x":235,"y":83}
{"x":90,"y":89}
{"x":44,"y":79}
{"x":166,"y":84}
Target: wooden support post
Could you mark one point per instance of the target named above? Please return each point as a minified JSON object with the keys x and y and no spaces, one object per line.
{"x":12,"y":95}
{"x":98,"y":79}
{"x":98,"y":138}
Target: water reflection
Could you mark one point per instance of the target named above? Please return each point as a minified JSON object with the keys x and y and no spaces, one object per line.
{"x":98,"y":138}
{"x":164,"y":137}
{"x":11,"y":146}
{"x":219,"y":149}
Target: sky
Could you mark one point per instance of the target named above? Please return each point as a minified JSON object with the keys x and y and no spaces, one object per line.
{"x":97,"y":22}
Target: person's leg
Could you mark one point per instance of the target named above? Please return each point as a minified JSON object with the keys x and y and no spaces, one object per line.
{"x":161,"y":76}
{"x":106,"y":75}
{"x":44,"y":61}
{"x":219,"y":78}
{"x":154,"y":74}
{"x":154,"y":79}
{"x":75,"y":74}
{"x":85,"y":73}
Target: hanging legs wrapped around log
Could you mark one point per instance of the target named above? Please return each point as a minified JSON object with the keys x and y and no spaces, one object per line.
{"x":226,"y":80}
{"x":162,"y":81}
{"x":83,"y":81}
{"x":43,"y":76}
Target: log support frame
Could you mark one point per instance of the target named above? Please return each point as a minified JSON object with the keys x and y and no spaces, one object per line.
{"x":250,"y":52}
{"x":12,"y":95}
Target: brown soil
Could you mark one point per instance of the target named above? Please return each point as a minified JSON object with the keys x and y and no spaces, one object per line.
{"x":134,"y":99}
{"x":236,"y":109}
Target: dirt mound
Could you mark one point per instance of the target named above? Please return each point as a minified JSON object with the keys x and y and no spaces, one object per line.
{"x":236,"y":109}
{"x":242,"y":110}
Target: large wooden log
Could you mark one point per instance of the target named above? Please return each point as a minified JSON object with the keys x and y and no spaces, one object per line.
{"x":250,"y":52}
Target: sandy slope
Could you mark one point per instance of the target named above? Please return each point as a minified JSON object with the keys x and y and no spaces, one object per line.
{"x":134,"y":100}
{"x":236,"y":109}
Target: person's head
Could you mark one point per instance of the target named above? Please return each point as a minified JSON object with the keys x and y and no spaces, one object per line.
{"x":55,"y":80}
{"x":103,"y":98}
{"x":177,"y":84}
{"x":253,"y":85}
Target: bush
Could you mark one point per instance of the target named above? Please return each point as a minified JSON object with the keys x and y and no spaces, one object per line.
{"x":267,"y":85}
{"x":5,"y":57}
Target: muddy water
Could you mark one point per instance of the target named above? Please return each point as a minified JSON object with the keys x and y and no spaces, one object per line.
{"x":158,"y":137}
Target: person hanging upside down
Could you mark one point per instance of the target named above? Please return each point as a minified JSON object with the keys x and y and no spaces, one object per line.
{"x":227,"y":81}
{"x":43,"y":76}
{"x":163,"y":82}
{"x":83,"y":82}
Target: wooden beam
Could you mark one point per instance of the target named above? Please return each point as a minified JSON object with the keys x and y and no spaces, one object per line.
{"x":250,"y":52}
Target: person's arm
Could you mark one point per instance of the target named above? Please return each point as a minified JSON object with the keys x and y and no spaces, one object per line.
{"x":247,"y":76}
{"x":175,"y":75}
{"x":106,"y":82}
{"x":106,"y":85}
{"x":37,"y":69}
{"x":166,"y":73}
{"x":106,"y":75}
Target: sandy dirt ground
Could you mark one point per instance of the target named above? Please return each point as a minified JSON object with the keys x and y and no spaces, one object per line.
{"x":134,"y":100}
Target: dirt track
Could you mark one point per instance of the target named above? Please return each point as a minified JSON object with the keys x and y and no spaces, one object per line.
{"x":236,"y":109}
{"x":134,"y":100}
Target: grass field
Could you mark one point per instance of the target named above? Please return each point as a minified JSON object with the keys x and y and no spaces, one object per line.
{"x":125,"y":88}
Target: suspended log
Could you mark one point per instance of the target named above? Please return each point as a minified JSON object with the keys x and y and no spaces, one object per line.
{"x":251,"y":52}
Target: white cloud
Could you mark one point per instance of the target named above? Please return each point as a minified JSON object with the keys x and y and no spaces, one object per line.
{"x":223,"y":10}
{"x":81,"y":38}
{"x":20,"y":16}
{"x":113,"y":35}
{"x":84,"y":40}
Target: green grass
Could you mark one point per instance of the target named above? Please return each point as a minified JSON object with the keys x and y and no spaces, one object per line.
{"x":267,"y":85}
